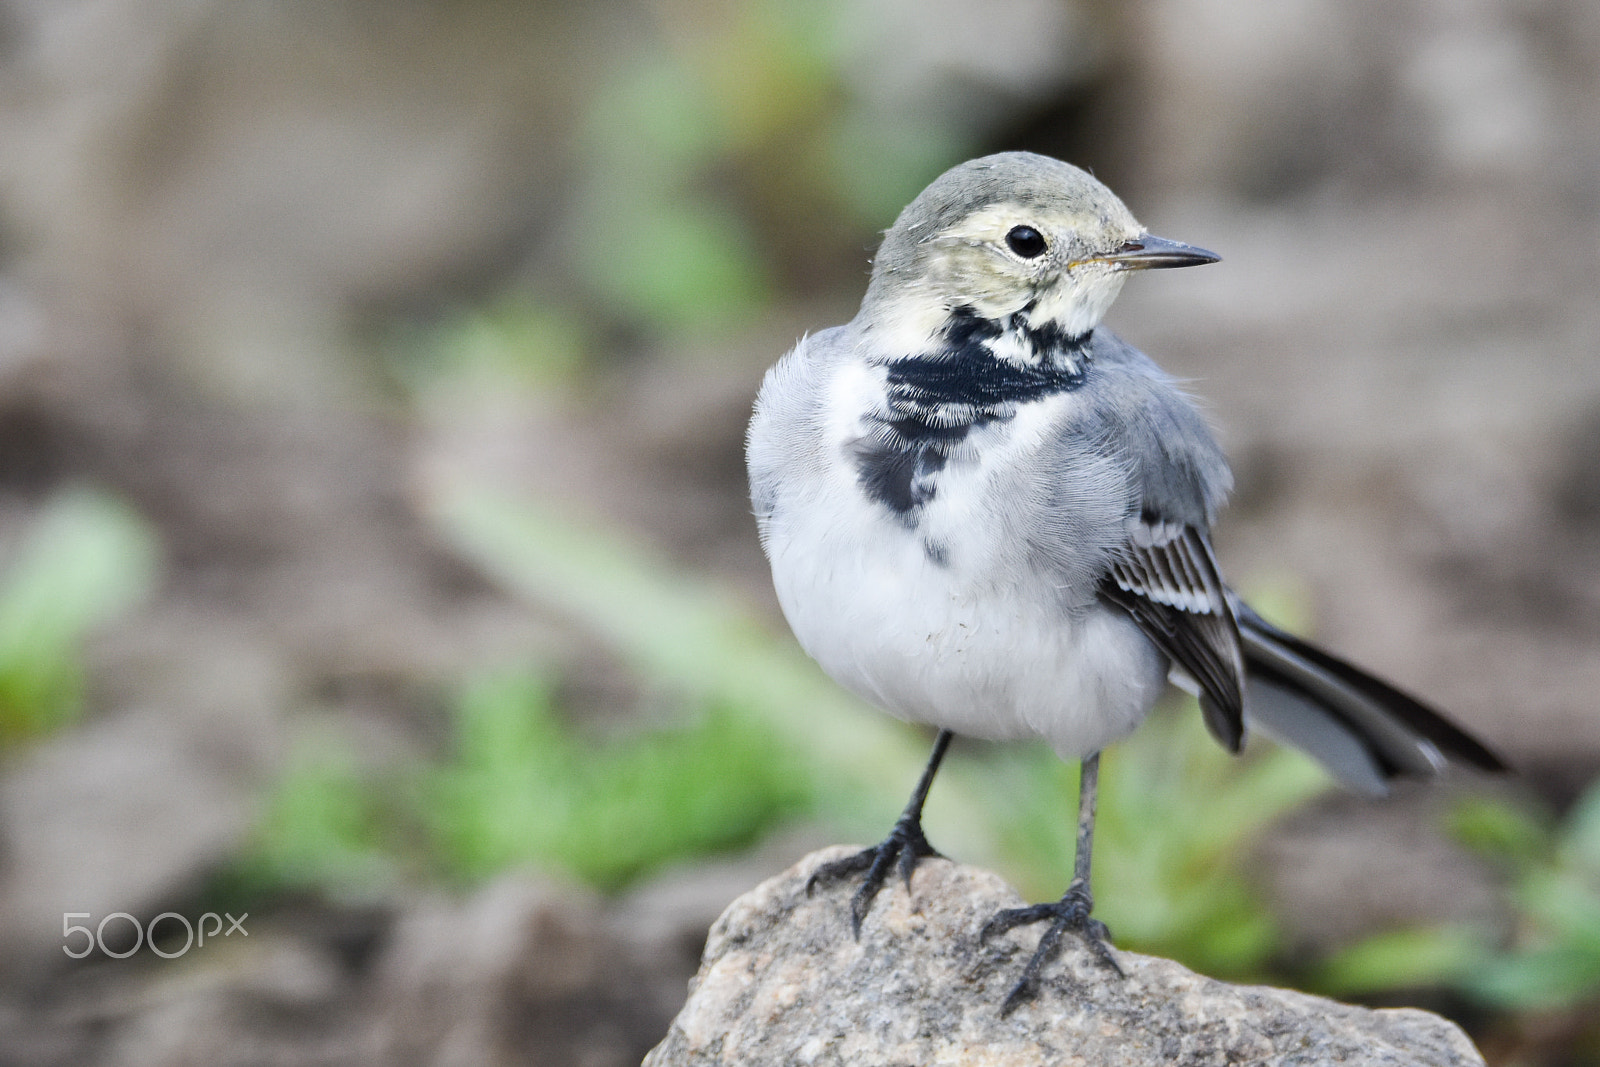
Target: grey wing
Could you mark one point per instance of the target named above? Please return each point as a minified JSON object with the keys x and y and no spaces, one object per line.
{"x":1166,"y":578}
{"x":1169,"y":584}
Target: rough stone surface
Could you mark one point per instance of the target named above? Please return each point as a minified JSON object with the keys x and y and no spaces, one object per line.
{"x":783,"y":982}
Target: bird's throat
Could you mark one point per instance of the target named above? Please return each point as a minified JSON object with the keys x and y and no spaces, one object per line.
{"x":986,"y":364}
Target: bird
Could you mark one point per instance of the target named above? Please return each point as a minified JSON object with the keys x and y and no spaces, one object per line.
{"x":986,"y":513}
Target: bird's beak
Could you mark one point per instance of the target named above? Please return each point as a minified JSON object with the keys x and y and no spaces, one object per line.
{"x":1148,"y":252}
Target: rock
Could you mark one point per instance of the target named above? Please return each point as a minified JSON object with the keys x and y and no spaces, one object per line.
{"x":782,"y":981}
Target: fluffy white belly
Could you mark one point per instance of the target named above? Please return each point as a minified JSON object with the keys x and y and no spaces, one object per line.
{"x":936,"y":644}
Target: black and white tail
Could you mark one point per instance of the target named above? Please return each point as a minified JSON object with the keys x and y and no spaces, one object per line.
{"x":1363,"y":730}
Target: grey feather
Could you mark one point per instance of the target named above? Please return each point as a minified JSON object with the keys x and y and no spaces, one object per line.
{"x":1285,"y":715}
{"x":1180,"y":474}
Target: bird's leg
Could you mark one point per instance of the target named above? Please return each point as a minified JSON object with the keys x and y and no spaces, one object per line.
{"x":1071,"y":912}
{"x":905,"y":844}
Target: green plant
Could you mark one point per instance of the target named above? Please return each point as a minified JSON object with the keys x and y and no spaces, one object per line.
{"x":729,"y":154}
{"x":328,"y":826}
{"x":86,"y":558}
{"x":520,"y":787}
{"x":1554,"y":872}
{"x":1405,"y":959}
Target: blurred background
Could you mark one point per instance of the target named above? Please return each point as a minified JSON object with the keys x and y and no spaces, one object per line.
{"x":375,"y":562}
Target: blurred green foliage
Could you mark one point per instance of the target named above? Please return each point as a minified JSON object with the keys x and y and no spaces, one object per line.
{"x":330,"y":826}
{"x":1552,"y":962}
{"x":85,"y":558}
{"x":1433,"y":957}
{"x":733,"y":158}
{"x":520,"y":787}
{"x":523,"y":788}
{"x":651,"y":240}
{"x":1554,"y":872}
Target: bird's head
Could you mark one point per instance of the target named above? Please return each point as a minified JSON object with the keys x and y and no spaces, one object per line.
{"x":1008,"y":233}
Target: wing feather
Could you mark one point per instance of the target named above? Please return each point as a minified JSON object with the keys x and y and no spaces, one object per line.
{"x":1168,"y":582}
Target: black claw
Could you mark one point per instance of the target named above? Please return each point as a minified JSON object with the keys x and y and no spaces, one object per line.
{"x":909,"y":857}
{"x":841,"y":869}
{"x":1069,"y":914}
{"x":904,"y":846}
{"x":1008,"y":920}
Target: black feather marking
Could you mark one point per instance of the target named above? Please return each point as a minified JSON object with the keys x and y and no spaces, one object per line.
{"x":966,"y":329}
{"x":1050,"y":336}
{"x":898,"y":473}
{"x":979,"y":379}
{"x":966,"y":371}
{"x":917,"y":431}
{"x":1387,"y":765}
{"x":1392,"y":746}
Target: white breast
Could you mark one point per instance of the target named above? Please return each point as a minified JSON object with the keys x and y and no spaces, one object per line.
{"x":974,"y":637}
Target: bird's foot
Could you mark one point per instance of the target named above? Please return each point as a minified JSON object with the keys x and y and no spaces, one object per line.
{"x":904,"y":846}
{"x":1070,"y":914}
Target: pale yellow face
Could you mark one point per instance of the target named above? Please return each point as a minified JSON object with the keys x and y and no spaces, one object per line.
{"x":1008,"y":256}
{"x":1000,"y":235}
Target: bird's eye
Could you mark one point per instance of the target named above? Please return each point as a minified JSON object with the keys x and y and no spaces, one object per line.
{"x":1026,"y":242}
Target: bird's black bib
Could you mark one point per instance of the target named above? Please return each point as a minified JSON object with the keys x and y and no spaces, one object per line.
{"x":933,"y":401}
